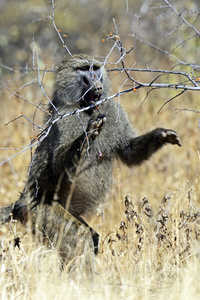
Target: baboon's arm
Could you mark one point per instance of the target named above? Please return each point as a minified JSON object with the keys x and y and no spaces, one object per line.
{"x":71,"y":146}
{"x":140,"y":148}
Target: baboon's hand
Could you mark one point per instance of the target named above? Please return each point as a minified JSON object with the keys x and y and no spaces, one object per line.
{"x":96,"y":125}
{"x":169,"y":136}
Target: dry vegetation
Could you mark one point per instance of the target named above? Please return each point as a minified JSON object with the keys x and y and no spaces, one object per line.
{"x":149,"y":225}
{"x":149,"y":242}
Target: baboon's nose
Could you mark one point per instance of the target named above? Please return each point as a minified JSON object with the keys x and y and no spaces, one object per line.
{"x":93,"y":85}
{"x":98,"y":88}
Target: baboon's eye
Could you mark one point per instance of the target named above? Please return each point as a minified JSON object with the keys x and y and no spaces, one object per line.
{"x":87,"y":68}
{"x":95,"y":68}
{"x":84,"y":68}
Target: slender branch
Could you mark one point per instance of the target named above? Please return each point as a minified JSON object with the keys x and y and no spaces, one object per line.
{"x":156,"y":71}
{"x":167,"y":53}
{"x":28,"y":119}
{"x":182,"y":18}
{"x":170,"y":86}
{"x":20,"y":97}
{"x":58,"y":31}
{"x":170,"y":100}
{"x":147,"y":94}
{"x":178,"y":110}
{"x":42,"y":89}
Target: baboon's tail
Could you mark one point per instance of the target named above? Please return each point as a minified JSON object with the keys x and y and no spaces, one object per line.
{"x":5,"y":214}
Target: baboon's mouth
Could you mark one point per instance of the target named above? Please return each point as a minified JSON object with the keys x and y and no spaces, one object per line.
{"x":90,"y":99}
{"x":95,"y":98}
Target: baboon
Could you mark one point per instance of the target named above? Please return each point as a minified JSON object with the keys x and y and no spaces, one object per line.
{"x":71,"y":170}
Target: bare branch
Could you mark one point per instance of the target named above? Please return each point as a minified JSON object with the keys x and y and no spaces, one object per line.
{"x":164,"y":72}
{"x":182,"y":18}
{"x":57,"y":30}
{"x":42,"y":89}
{"x":170,"y":100}
{"x":147,"y":94}
{"x":22,"y":98}
{"x":178,"y":110}
{"x":28,"y":119}
{"x":167,"y":53}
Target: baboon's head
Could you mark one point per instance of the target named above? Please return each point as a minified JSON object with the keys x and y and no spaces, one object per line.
{"x":82,"y":79}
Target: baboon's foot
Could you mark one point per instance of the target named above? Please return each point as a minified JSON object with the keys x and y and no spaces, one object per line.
{"x":95,"y":236}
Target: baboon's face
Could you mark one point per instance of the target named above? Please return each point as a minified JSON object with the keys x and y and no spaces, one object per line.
{"x":82,"y":79}
{"x":90,"y":78}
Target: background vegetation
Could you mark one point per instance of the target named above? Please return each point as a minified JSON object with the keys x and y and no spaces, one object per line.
{"x":149,"y":248}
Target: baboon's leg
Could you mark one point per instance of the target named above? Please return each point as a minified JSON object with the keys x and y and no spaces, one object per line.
{"x":95,"y":235}
{"x":72,"y":239}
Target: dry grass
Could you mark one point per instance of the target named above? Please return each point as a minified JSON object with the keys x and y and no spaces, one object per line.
{"x":149,"y":247}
